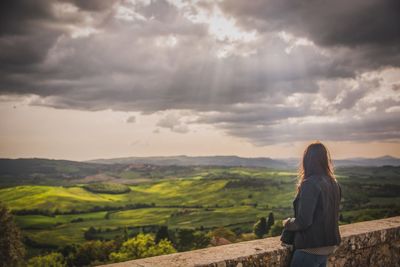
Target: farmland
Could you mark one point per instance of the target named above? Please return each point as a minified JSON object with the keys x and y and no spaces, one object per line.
{"x":201,"y":197}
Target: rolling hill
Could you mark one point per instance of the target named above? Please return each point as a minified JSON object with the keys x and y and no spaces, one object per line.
{"x":231,"y":161}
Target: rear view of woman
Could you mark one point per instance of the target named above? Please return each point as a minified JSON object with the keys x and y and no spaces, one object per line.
{"x":316,"y":210}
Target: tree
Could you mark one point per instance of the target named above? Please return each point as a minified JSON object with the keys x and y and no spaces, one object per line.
{"x":69,"y":252}
{"x":53,"y":259}
{"x":270,"y":221}
{"x":141,"y":246}
{"x":126,"y":234}
{"x":201,"y":240}
{"x":184,"y":239}
{"x":260,"y":227}
{"x":90,"y":234}
{"x":94,"y":252}
{"x":162,"y":233}
{"x":12,"y":249}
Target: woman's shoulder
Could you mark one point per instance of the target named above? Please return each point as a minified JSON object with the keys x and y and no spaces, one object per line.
{"x":310,"y":184}
{"x":318,"y":183}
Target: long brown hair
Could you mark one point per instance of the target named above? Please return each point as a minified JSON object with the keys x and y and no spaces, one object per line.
{"x":316,"y":161}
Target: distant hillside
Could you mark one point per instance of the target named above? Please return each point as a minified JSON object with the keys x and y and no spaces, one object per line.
{"x":43,"y":171}
{"x":126,"y":170}
{"x":369,"y":162}
{"x":228,"y":161}
{"x":355,"y":162}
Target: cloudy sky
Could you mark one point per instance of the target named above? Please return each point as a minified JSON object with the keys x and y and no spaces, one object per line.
{"x":83,"y":79}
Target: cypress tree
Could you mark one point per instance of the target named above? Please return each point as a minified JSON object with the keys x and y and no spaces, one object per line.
{"x":12,"y":250}
{"x":271,"y":221}
{"x":260,"y":227}
{"x":162,"y":233}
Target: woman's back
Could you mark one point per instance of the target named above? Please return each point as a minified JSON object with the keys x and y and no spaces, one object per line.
{"x":316,"y":209}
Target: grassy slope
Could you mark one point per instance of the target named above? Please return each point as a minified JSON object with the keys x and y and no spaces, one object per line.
{"x":50,"y":198}
{"x":199,"y":188}
{"x":232,"y":205}
{"x":172,"y":192}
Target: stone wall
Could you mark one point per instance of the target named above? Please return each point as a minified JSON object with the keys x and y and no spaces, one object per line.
{"x":372,"y":243}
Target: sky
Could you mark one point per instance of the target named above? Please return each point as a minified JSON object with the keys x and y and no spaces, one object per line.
{"x":86,"y":79}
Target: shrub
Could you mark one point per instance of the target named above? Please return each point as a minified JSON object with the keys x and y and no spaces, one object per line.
{"x":107,"y":188}
{"x":94,"y":252}
{"x":141,"y":246}
{"x":50,"y":260}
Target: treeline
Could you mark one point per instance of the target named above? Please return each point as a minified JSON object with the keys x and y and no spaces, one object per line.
{"x":156,"y":171}
{"x":88,"y":210}
{"x":128,"y":246}
{"x":370,"y":214}
{"x":357,"y":195}
{"x":151,"y":240}
{"x":107,"y":188}
{"x":101,"y":252}
{"x":52,"y":213}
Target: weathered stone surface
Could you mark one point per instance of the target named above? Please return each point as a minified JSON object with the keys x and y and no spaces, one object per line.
{"x":373,"y":243}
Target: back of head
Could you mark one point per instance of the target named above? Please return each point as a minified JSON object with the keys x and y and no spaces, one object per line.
{"x":316,"y":161}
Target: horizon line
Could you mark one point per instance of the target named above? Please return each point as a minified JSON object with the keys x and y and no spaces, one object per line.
{"x":196,"y":156}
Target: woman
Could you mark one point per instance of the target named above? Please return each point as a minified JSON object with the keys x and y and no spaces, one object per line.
{"x":316,"y":210}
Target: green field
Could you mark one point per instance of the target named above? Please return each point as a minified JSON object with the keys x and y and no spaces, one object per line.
{"x":205,"y":198}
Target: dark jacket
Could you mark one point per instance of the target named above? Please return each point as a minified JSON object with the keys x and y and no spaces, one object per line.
{"x":316,"y":211}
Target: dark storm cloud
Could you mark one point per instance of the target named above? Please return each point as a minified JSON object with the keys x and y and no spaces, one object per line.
{"x":346,"y":117}
{"x":151,"y":57}
{"x":29,"y":29}
{"x":327,"y":23}
{"x":93,"y":5}
{"x":18,"y":17}
{"x":148,"y":77}
{"x":369,"y":27}
{"x":25,"y":36}
{"x":151,"y":78}
{"x":375,"y":128}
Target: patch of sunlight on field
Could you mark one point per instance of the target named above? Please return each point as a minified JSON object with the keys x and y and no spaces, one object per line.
{"x":140,"y":217}
{"x":49,"y":197}
{"x":73,"y":232}
{"x":180,"y":188}
{"x":216,"y":217}
{"x":59,"y":236}
{"x":15,"y":194}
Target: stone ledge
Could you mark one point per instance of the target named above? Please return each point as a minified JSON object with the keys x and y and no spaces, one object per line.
{"x":371,"y":243}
